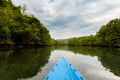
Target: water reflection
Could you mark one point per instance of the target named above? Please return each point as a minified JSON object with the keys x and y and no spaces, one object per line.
{"x":110,"y":59}
{"x":87,"y":60}
{"x":94,"y":63}
{"x":22,"y":63}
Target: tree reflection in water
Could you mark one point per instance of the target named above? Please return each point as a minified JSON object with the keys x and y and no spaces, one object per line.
{"x":22,"y":63}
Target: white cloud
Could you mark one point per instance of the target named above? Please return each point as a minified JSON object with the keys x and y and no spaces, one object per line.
{"x":68,"y":18}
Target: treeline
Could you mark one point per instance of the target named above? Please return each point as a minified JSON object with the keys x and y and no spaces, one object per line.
{"x":108,"y":35}
{"x":61,"y":42}
{"x":18,"y":28}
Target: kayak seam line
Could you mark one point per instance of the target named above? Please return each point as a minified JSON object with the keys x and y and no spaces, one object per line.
{"x":68,"y":68}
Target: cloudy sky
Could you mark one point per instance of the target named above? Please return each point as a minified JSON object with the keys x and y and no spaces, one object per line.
{"x":69,"y":18}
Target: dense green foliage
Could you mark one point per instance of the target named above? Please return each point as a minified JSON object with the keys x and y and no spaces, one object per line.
{"x":85,"y":40}
{"x":108,"y":35}
{"x":18,"y":28}
{"x":61,"y":42}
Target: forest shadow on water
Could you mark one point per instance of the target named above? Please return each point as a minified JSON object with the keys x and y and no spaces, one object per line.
{"x":22,"y":63}
{"x":27,"y":63}
{"x":110,"y":59}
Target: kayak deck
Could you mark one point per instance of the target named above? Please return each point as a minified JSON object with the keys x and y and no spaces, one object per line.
{"x":63,"y":70}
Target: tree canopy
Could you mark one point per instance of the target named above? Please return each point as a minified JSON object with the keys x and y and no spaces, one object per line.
{"x":16,"y":27}
{"x":108,"y":35}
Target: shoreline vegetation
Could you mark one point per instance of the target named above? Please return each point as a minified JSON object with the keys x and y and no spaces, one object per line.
{"x":20,"y":29}
{"x":107,"y":36}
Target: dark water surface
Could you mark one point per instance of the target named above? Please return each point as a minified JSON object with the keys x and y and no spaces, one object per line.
{"x":34,"y":63}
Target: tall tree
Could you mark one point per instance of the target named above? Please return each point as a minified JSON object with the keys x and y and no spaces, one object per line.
{"x":18,"y":28}
{"x":110,"y":33}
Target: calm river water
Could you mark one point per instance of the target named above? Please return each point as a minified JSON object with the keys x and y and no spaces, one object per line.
{"x":93,"y":63}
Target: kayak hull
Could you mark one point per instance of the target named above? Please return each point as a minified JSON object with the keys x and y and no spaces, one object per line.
{"x":63,"y":70}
